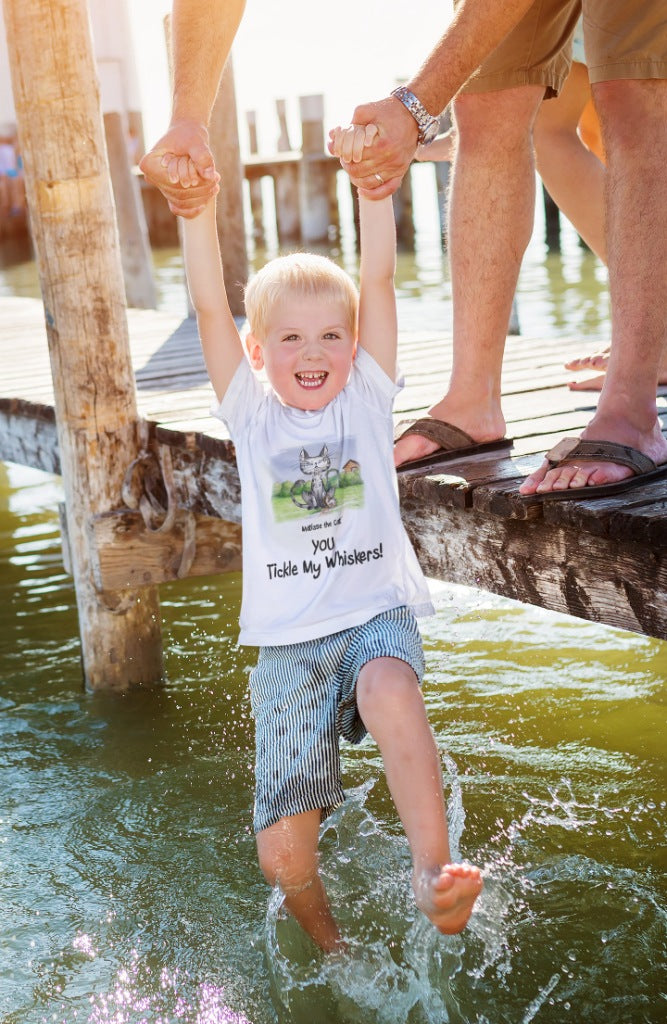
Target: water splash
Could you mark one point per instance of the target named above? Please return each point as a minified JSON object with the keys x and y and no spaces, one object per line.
{"x":399,"y":969}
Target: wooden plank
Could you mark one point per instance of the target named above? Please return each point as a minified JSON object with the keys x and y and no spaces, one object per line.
{"x":640,"y":515}
{"x":614,"y":582}
{"x":126,"y":554}
{"x":28,"y":435}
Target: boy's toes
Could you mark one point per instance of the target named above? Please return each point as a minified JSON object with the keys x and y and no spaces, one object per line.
{"x":448,"y":896}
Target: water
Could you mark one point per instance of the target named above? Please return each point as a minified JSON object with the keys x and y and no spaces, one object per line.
{"x":130,"y":890}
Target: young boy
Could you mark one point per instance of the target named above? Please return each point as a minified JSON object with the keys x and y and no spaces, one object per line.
{"x":329,"y":578}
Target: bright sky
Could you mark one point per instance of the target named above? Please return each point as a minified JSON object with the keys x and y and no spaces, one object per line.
{"x":349,"y":50}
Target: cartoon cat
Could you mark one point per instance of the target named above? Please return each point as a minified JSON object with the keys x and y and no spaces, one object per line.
{"x":322,"y":488}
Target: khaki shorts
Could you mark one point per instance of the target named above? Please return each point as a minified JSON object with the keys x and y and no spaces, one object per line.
{"x":623,"y":39}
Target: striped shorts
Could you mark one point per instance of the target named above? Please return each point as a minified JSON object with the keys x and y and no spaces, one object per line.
{"x":303,"y":699}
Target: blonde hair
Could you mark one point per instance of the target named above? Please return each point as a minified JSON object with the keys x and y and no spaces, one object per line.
{"x":305,"y":274}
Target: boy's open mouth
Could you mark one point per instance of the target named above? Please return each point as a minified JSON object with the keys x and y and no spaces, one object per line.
{"x":313,"y":379}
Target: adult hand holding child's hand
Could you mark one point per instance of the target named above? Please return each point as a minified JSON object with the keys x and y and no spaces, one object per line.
{"x":378,"y":170}
{"x":350,"y":144}
{"x":181,"y":165}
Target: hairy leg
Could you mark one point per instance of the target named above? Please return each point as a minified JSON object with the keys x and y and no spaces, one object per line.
{"x":633,"y":114}
{"x":392,"y":708}
{"x":288,"y":857}
{"x":572,"y":174}
{"x":491,"y":219}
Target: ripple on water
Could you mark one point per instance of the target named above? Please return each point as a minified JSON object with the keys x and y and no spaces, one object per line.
{"x":130,"y":885}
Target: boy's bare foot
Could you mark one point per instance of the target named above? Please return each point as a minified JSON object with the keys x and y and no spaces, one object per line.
{"x":447,"y":895}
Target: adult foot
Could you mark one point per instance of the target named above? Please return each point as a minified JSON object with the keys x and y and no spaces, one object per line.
{"x":594,"y":472}
{"x":483,"y":428}
{"x":600,"y":361}
{"x":592,"y":361}
{"x":447,"y":895}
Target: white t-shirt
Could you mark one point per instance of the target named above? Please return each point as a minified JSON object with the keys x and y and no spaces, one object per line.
{"x":324,"y":547}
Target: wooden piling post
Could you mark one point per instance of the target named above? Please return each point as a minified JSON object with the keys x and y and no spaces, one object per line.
{"x":403,"y":212}
{"x":77,"y":249}
{"x":284,"y":144}
{"x":286,"y":185}
{"x":551,"y":222}
{"x":255,"y":184}
{"x":224,"y":141}
{"x":443,"y":175}
{"x":135,"y":250}
{"x":313,"y":184}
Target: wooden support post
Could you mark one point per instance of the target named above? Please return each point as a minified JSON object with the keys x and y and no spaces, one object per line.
{"x":135,"y":128}
{"x":313,"y":187}
{"x":551,"y":222}
{"x":403,"y":212}
{"x":284,"y":144}
{"x":286,"y":185}
{"x":255,"y":184}
{"x":443,"y":170}
{"x":135,"y":250}
{"x":224,"y":141}
{"x":355,"y":215}
{"x":514,"y":327}
{"x":332,"y":198}
{"x":288,"y":215}
{"x":76,"y":242}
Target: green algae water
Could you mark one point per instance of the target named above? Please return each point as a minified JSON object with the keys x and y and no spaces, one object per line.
{"x":130,"y":891}
{"x":129,"y":887}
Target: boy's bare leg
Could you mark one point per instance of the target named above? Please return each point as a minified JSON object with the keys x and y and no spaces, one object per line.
{"x":392,"y":708}
{"x":288,"y":857}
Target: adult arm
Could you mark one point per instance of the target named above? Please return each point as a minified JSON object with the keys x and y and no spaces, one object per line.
{"x":181,"y":163}
{"x":478,"y":26}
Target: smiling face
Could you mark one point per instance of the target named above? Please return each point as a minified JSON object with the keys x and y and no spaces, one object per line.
{"x":308,"y":349}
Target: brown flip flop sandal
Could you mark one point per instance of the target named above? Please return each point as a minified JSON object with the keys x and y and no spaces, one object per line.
{"x":571,"y":449}
{"x":453,"y":443}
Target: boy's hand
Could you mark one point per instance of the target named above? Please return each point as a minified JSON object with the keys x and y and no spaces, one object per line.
{"x":181,"y":165}
{"x":349,"y":143}
{"x":380,"y":171}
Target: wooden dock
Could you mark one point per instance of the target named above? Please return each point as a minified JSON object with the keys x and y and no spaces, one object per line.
{"x":603,"y":560}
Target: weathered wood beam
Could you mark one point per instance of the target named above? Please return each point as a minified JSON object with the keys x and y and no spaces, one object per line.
{"x":603,"y":580}
{"x":28,"y":435}
{"x":129,"y":555}
{"x":557,"y":559}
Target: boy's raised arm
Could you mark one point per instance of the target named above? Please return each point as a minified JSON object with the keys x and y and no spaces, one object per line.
{"x":220,"y":340}
{"x":378,"y":328}
{"x":377,"y":300}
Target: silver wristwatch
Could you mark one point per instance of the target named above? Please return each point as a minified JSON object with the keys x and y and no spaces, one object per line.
{"x":428,"y":126}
